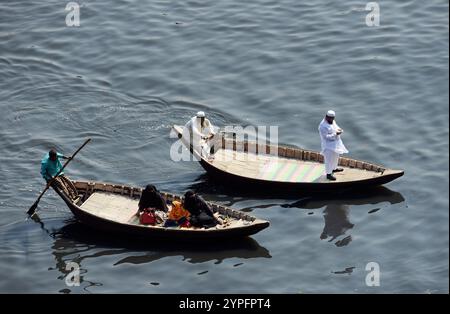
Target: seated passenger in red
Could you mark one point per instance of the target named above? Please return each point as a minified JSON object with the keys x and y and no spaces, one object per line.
{"x":151,"y":198}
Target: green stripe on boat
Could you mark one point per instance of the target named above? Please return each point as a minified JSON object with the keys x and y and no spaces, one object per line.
{"x":284,"y":172}
{"x":315,"y":173}
{"x":305,"y":171}
{"x":296,"y":173}
{"x":270,"y":175}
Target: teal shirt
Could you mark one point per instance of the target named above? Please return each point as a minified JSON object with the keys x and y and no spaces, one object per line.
{"x":50,"y":168}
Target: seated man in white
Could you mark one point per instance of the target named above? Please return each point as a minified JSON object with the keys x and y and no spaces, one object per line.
{"x":200,"y":133}
{"x":332,"y":145}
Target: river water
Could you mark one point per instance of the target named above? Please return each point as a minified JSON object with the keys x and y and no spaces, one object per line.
{"x":133,"y":68}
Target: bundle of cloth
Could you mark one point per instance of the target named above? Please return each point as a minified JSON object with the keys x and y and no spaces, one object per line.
{"x":178,"y":216}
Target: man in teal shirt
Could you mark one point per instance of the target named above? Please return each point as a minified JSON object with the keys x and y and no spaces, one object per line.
{"x":50,"y":166}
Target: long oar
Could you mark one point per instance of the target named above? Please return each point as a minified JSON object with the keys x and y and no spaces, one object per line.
{"x":33,"y":207}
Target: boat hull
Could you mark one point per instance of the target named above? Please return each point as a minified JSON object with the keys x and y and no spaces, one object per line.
{"x":301,"y":187}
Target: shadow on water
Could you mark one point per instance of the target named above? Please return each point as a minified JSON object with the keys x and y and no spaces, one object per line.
{"x":74,"y":233}
{"x":336,"y":213}
{"x":75,"y":242}
{"x":337,"y":223}
{"x":336,"y":207}
{"x":207,"y":186}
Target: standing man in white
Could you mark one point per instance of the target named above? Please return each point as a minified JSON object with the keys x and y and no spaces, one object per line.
{"x":200,"y":132}
{"x":332,"y":145}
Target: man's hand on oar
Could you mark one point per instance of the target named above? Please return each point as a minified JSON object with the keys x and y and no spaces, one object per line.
{"x":33,"y":207}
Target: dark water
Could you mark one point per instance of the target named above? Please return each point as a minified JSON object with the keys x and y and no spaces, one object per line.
{"x":133,"y":68}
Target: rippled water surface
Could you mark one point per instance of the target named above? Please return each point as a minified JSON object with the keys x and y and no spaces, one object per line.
{"x":134,"y":68}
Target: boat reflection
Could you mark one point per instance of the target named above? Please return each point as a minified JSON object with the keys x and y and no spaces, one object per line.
{"x":218,"y":192}
{"x":74,"y":233}
{"x":75,"y":242}
{"x":374,"y":195}
{"x":336,"y":207}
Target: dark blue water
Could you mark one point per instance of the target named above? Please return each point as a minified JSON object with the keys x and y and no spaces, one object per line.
{"x":134,"y":68}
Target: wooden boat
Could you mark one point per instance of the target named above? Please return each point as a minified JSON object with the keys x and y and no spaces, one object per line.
{"x":112,"y":207}
{"x":284,"y":168}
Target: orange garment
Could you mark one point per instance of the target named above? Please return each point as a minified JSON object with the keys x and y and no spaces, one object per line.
{"x":177,"y":212}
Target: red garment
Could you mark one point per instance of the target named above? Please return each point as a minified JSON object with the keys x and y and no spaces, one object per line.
{"x":185,"y":224}
{"x":147,"y":217}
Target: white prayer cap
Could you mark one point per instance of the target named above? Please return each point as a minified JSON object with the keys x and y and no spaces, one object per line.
{"x":200,"y":114}
{"x":331,"y":113}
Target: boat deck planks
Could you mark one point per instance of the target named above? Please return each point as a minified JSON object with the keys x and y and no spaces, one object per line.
{"x":284,"y":167}
{"x":281,"y":169}
{"x":111,"y":206}
{"x":122,"y":209}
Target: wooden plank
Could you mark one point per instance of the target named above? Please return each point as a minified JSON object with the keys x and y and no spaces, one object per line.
{"x":343,"y":162}
{"x":111,"y":206}
{"x":307,"y":155}
{"x":269,"y":167}
{"x":352,"y":163}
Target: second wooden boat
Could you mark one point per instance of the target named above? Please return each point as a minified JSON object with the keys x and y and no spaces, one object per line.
{"x":285,"y":168}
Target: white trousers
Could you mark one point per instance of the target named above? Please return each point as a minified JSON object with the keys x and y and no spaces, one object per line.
{"x":205,"y":149}
{"x":331,"y":160}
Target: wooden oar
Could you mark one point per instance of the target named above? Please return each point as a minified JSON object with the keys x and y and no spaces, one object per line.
{"x":33,"y":207}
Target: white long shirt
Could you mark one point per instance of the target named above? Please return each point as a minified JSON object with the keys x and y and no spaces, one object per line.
{"x":330,"y":140}
{"x":194,"y":129}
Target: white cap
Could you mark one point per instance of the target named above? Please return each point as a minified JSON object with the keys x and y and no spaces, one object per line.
{"x":331,"y":113}
{"x":200,"y":114}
